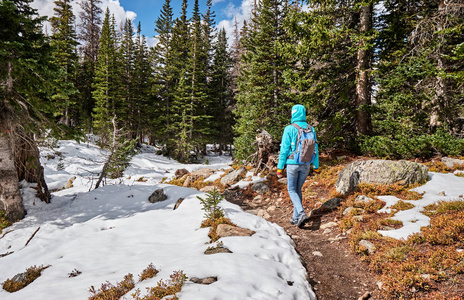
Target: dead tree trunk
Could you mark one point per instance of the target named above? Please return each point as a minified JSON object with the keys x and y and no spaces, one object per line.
{"x":264,"y":157}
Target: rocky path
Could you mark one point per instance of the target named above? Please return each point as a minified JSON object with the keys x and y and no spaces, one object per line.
{"x":334,"y":271}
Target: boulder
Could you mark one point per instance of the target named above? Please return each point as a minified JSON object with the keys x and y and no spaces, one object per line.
{"x":157,"y":196}
{"x":380,"y":172}
{"x":233,"y":177}
{"x":224,"y":230}
{"x":260,"y":188}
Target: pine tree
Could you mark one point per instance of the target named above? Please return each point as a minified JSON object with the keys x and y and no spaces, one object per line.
{"x":324,"y":80}
{"x":64,"y":41}
{"x":127,"y":54}
{"x":221,"y":93}
{"x":107,"y":87}
{"x":89,"y":35}
{"x":261,"y":99}
{"x":178,"y":143}
{"x":142,"y":77}
{"x":418,"y":104}
{"x":164,"y":79}
{"x":27,"y":77}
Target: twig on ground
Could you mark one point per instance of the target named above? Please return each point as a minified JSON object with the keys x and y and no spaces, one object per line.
{"x":31,"y":236}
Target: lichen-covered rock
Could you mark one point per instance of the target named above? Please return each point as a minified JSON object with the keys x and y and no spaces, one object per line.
{"x":380,"y":172}
{"x":233,"y":177}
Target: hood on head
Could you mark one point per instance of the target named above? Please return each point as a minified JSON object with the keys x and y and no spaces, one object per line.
{"x":298,"y":113}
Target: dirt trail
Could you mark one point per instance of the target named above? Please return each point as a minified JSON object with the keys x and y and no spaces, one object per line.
{"x":334,"y":271}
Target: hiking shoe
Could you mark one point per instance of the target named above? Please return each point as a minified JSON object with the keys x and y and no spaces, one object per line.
{"x":294,"y":221}
{"x":302,"y":218}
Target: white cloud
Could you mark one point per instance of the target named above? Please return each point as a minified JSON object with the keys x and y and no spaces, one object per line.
{"x":236,"y":14}
{"x":45,"y":8}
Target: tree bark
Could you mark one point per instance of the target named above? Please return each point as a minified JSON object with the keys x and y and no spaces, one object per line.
{"x":363,"y":95}
{"x":19,"y":160}
{"x":10,"y":197}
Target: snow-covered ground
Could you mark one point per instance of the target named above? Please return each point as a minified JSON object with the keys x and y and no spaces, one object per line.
{"x":114,"y":230}
{"x":439,"y":187}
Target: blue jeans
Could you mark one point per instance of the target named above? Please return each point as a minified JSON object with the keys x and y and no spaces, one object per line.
{"x":296,"y":176}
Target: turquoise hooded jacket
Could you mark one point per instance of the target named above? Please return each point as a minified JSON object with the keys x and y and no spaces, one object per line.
{"x":290,"y":136}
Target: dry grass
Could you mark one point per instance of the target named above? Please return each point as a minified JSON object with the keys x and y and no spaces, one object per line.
{"x":213,"y":224}
{"x":108,"y":291}
{"x":32,"y":273}
{"x":164,"y":288}
{"x":426,"y":265}
{"x":149,"y":272}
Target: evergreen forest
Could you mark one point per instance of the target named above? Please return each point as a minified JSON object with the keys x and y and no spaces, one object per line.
{"x":378,"y":78}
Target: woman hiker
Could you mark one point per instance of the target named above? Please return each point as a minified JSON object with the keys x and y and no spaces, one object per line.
{"x":296,"y":172}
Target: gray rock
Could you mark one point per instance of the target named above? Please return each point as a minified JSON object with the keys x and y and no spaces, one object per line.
{"x":450,"y":162}
{"x":363,"y":198}
{"x":347,"y":210}
{"x":233,"y":177}
{"x":380,"y":172}
{"x":368,"y":245}
{"x":207,"y":280}
{"x":260,"y":188}
{"x":331,"y":204}
{"x":157,"y":196}
{"x":232,"y":195}
{"x":20,"y":277}
{"x":217,"y":250}
{"x":327,"y":206}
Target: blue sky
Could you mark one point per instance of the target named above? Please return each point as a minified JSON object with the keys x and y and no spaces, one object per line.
{"x":148,"y":11}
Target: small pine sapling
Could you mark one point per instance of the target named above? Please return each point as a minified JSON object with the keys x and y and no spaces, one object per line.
{"x":211,"y":205}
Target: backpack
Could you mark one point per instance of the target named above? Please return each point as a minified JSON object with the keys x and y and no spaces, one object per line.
{"x":305,"y":146}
